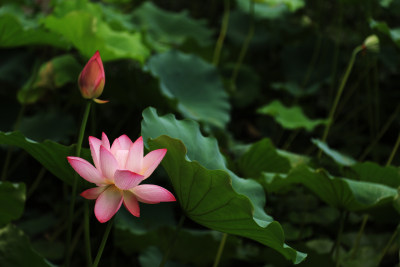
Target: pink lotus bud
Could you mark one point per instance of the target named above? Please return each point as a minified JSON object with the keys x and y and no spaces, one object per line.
{"x":92,"y":78}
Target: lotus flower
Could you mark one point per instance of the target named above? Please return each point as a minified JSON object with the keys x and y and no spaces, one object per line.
{"x":118,"y":171}
{"x":92,"y":79}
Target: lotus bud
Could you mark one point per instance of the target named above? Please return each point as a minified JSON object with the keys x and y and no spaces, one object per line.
{"x":371,"y":43}
{"x":92,"y":78}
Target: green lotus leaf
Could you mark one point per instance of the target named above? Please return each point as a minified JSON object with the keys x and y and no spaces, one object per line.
{"x":16,"y":250}
{"x":290,"y":118}
{"x":338,"y":192}
{"x":12,"y":201}
{"x":262,"y":157}
{"x":208,"y":192}
{"x":51,"y":155}
{"x":338,"y":157}
{"x":195,"y":85}
{"x":88,"y":33}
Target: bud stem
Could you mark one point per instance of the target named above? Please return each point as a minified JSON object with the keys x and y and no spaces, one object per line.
{"x":74,"y":187}
{"x":338,"y":95}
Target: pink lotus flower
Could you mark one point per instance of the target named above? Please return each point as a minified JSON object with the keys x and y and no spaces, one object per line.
{"x":92,"y":79}
{"x":118,"y":171}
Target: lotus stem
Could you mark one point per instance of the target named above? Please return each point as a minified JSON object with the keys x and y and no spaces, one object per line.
{"x":220,"y":250}
{"x":396,"y":146}
{"x":103,"y":243}
{"x":338,"y":95}
{"x":178,"y":229}
{"x":384,"y":251}
{"x":75,"y":182}
{"x":245,"y":46}
{"x":222,"y":33}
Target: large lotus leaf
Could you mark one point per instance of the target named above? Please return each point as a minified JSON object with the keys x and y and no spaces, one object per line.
{"x":195,"y":85}
{"x":372,"y":172}
{"x":165,"y":29}
{"x":110,"y":13}
{"x":262,"y":157}
{"x":294,"y":159}
{"x":52,"y":74}
{"x":53,"y":124}
{"x":208,"y":198}
{"x":263,"y":11}
{"x":17,"y":30}
{"x":12,"y":201}
{"x":208,"y":192}
{"x":51,"y":155}
{"x":16,"y":250}
{"x":88,"y":33}
{"x":290,"y":118}
{"x":202,"y":149}
{"x":338,"y":157}
{"x":338,"y":192}
{"x":293,"y":5}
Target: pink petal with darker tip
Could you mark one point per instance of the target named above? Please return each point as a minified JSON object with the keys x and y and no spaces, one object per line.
{"x":94,"y":144}
{"x":152,"y":194}
{"x":108,"y":163}
{"x":131,"y":203}
{"x":93,"y":193}
{"x":135,"y":156}
{"x":107,"y":204}
{"x":104,"y":141}
{"x":86,"y":170}
{"x":125,"y":179}
{"x":151,"y":161}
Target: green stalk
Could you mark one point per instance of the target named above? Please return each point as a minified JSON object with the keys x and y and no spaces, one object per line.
{"x":103,"y":243}
{"x":381,"y":133}
{"x":87,"y":232}
{"x":343,"y":217}
{"x":245,"y":46}
{"x":220,"y":250}
{"x":83,"y":127}
{"x":383,"y":253}
{"x":222,"y":33}
{"x":359,"y":235}
{"x":338,"y":95}
{"x":37,"y":181}
{"x":396,"y":146}
{"x":75,"y":182}
{"x":171,"y":245}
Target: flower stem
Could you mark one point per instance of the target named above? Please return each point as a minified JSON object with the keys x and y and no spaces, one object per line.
{"x":75,"y":182}
{"x":222,"y":33}
{"x":83,"y":127}
{"x":338,"y":95}
{"x":396,"y":232}
{"x":103,"y":243}
{"x":396,"y":146}
{"x":359,"y":235}
{"x":343,"y":217}
{"x":381,"y":133}
{"x":245,"y":46}
{"x":87,"y":233}
{"x":178,"y":229}
{"x":220,"y":250}
{"x":37,"y":181}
